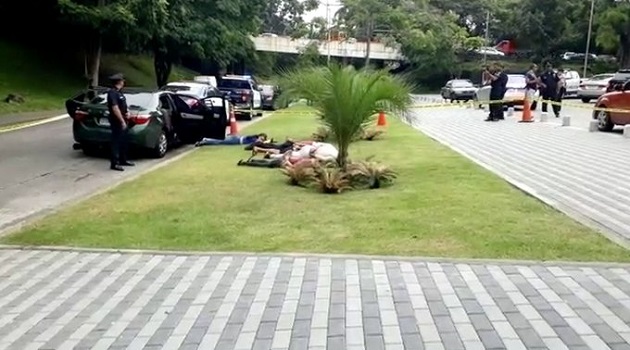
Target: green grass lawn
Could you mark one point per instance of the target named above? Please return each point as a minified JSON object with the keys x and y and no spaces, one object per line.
{"x":441,"y":205}
{"x":45,"y":86}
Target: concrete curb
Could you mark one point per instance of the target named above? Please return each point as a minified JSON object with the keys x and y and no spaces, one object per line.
{"x":471,"y":261}
{"x":20,"y":126}
{"x":16,"y":226}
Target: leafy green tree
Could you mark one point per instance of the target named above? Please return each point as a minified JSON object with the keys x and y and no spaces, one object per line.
{"x":613,"y":31}
{"x":284,"y":17}
{"x":347,"y":99}
{"x":97,"y":18}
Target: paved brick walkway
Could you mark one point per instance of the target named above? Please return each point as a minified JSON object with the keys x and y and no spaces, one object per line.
{"x":72,"y":300}
{"x":582,"y":174}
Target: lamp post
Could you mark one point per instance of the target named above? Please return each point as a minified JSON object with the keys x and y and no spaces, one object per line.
{"x":328,"y":31}
{"x":588,"y":38}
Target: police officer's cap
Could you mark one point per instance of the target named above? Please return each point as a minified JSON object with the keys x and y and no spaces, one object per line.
{"x":117,"y":77}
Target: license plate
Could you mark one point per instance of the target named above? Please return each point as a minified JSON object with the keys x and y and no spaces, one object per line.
{"x":104,"y":122}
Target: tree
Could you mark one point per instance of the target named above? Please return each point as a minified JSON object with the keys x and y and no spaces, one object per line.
{"x":613,"y":31}
{"x":284,"y":17}
{"x":347,"y":99}
{"x":97,"y":18}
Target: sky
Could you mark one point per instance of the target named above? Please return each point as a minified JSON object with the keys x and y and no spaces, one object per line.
{"x":321,"y":10}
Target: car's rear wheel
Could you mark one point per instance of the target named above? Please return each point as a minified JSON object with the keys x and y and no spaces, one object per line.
{"x":586,"y":100}
{"x":604,"y":123}
{"x":161,"y":146}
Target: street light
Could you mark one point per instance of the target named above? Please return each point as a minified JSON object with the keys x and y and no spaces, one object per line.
{"x":588,"y":38}
{"x":328,"y":31}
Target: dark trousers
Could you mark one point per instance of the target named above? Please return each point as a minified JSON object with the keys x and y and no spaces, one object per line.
{"x":496,"y":109}
{"x":119,"y":145}
{"x":556,"y":98}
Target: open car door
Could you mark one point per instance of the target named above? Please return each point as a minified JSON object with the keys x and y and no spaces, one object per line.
{"x":83,"y":97}
{"x":198,"y":118}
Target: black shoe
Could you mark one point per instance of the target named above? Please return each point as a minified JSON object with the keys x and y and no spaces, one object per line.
{"x":489,"y":120}
{"x":127,"y":164}
{"x":240,"y":162}
{"x":116,"y":167}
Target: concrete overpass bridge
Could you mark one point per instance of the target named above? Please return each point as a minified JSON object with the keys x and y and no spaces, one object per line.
{"x":378,"y":51}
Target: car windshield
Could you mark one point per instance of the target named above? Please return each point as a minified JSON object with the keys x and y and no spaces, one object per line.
{"x":176,"y":88}
{"x":234,"y":84}
{"x":602,"y":77}
{"x":516,"y":81}
{"x":139,"y":101}
{"x":462,"y":83}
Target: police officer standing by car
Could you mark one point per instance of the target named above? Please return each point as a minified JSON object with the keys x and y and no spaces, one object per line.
{"x":118,"y":116}
{"x":498,"y":82}
{"x":550,"y":89}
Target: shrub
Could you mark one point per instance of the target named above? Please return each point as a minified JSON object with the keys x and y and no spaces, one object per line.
{"x":331,"y":179}
{"x":300,"y":174}
{"x":322,"y":134}
{"x":371,"y":134}
{"x":370,"y":174}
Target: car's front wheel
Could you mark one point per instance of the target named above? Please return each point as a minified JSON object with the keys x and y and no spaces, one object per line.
{"x":604,"y":123}
{"x":586,"y":100}
{"x":161,"y":146}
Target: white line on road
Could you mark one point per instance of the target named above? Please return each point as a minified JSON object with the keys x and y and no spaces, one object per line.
{"x":31,"y":124}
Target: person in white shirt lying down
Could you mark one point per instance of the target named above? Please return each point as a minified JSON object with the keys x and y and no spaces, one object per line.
{"x":321,"y":151}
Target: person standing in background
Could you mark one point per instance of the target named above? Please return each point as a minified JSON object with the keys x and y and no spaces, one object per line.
{"x":549,"y":82}
{"x":562,"y":89}
{"x":532,"y":84}
{"x":498,"y":82}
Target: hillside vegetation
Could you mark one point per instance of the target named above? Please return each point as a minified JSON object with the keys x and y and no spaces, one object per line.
{"x":46,"y":84}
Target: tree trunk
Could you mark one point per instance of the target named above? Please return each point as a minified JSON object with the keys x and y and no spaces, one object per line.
{"x":342,"y":157}
{"x":624,"y":52}
{"x":163,"y":66}
{"x":95,"y":61}
{"x":368,"y":44}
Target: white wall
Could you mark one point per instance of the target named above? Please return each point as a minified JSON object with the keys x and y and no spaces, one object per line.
{"x":378,"y":51}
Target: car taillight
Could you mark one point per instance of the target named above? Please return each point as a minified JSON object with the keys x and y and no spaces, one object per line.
{"x":80,"y":115}
{"x":140,"y":119}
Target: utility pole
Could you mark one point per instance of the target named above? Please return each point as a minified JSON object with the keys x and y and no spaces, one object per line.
{"x":485,"y":53}
{"x":328,"y":31}
{"x":588,"y":38}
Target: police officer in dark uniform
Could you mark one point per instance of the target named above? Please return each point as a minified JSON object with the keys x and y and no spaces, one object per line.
{"x":549,"y":82}
{"x":498,"y":83}
{"x":118,"y":114}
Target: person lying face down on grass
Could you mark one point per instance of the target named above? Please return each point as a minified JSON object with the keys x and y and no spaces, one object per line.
{"x":306,"y":151}
{"x":233,"y":140}
{"x":309,"y":151}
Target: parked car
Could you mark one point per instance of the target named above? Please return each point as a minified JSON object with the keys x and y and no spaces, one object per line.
{"x":206,"y":79}
{"x":618,"y":80}
{"x":593,"y":87}
{"x":515,"y":92}
{"x":244,"y":93}
{"x":270,"y":94}
{"x":573,"y":56}
{"x":158,"y":119}
{"x":198,"y":89}
{"x":489,"y":51}
{"x":458,"y":89}
{"x":572,"y":80}
{"x":619,"y":102}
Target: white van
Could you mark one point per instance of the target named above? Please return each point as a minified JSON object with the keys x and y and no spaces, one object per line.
{"x":206,"y":79}
{"x":572,"y":80}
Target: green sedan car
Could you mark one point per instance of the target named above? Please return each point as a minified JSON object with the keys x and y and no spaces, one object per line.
{"x":158,"y":120}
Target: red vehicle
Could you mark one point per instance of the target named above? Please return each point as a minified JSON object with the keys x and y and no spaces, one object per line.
{"x":618,"y":102}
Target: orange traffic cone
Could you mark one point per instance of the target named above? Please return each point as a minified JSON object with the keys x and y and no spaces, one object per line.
{"x":233,"y":124}
{"x":527,"y":113}
{"x":381,"y":119}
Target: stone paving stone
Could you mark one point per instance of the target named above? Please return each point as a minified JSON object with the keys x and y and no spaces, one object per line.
{"x":241,"y":302}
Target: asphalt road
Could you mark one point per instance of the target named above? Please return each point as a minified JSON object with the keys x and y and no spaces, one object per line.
{"x":39,"y":171}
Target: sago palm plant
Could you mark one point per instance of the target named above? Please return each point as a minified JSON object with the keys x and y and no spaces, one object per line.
{"x":347,"y":99}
